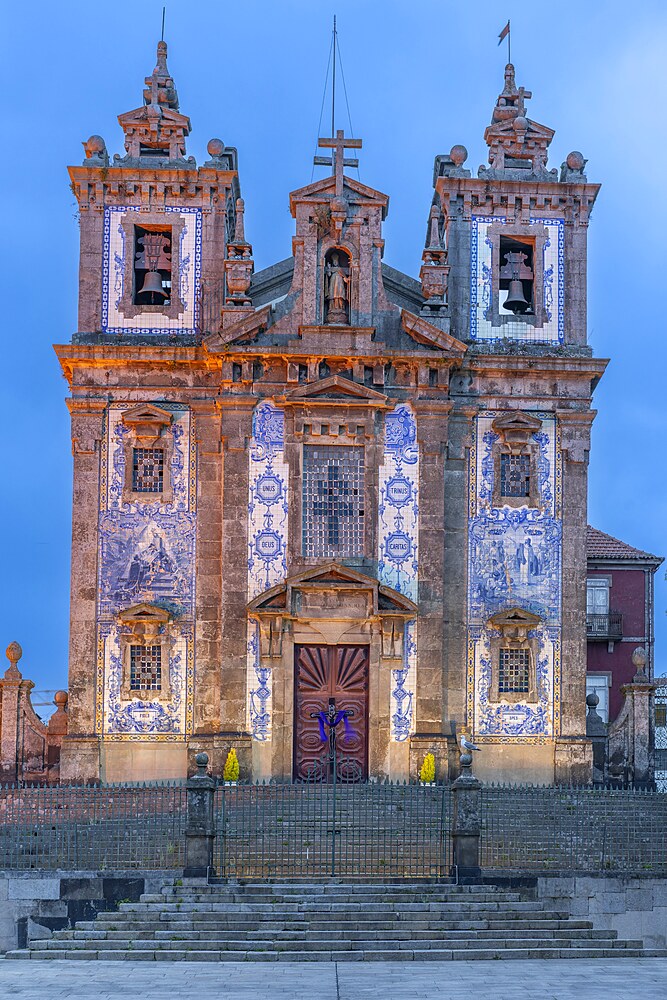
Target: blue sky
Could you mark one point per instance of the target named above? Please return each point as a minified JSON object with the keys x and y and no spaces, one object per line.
{"x":420,"y":77}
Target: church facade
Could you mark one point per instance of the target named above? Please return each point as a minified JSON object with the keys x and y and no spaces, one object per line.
{"x":327,"y":482}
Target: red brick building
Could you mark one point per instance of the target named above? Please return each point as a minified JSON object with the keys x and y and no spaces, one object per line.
{"x":619,"y":616}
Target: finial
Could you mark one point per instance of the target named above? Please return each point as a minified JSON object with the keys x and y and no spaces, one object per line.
{"x":239,"y":227}
{"x":639,"y":661}
{"x":14,"y":654}
{"x":434,"y":234}
{"x":160,"y":91}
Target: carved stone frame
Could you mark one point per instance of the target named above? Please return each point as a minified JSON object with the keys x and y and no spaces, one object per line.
{"x":145,"y":625}
{"x":328,"y":246}
{"x":516,"y":437}
{"x":509,"y":630}
{"x":158,"y":220}
{"x":149,"y":427}
{"x":538,"y":234}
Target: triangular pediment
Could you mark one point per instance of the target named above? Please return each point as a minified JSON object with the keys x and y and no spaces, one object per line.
{"x":517,"y":420}
{"x":426,"y":333}
{"x":146,"y":413}
{"x":243,"y":331}
{"x":514,"y":618}
{"x":321,"y":190}
{"x":144,"y":613}
{"x":334,"y":387}
{"x":142,"y":116}
{"x":506,"y":128}
{"x":333,"y":576}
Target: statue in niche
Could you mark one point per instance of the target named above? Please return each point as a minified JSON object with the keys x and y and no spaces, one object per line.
{"x":336,"y":289}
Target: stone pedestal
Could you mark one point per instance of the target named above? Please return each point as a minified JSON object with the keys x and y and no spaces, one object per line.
{"x":200,"y":829}
{"x":466,"y":822}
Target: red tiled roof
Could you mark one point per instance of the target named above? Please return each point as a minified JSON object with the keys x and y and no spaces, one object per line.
{"x":602,"y":546}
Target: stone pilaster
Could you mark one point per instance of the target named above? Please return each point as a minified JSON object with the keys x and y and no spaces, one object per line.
{"x":236,"y":434}
{"x":208,"y":650}
{"x":80,"y":750}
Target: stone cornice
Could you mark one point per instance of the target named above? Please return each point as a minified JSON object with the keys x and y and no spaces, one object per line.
{"x":512,"y":197}
{"x":540,"y":367}
{"x":98,"y":187}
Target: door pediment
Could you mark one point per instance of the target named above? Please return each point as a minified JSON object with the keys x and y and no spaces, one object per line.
{"x":344,"y":587}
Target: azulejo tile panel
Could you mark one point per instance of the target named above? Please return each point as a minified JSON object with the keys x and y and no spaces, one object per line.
{"x":114,"y":269}
{"x":146,"y":554}
{"x":481,"y":276}
{"x":267,"y":546}
{"x":514,"y":560}
{"x":398,"y":541}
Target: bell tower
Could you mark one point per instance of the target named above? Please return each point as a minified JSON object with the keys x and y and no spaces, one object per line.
{"x":155,"y":229}
{"x":516,"y":472}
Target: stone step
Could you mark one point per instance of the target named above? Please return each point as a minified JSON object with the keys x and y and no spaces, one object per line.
{"x":268,"y":944}
{"x":437,"y":955}
{"x":200,"y":899}
{"x":127,"y":928}
{"x":320,"y":907}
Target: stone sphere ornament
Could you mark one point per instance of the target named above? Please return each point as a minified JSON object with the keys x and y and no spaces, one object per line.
{"x":466,"y":759}
{"x":520,"y":124}
{"x":592,"y":700}
{"x":201,"y":760}
{"x":575,"y":160}
{"x":458,"y":155}
{"x":215,"y":148}
{"x":96,"y":144}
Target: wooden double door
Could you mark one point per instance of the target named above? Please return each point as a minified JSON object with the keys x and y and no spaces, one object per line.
{"x":323,"y":673}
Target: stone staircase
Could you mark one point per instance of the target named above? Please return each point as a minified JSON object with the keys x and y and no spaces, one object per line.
{"x":332,"y":921}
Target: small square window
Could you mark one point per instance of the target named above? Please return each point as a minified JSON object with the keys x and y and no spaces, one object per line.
{"x":145,"y":668}
{"x":514,"y":671}
{"x":661,"y":716}
{"x":514,"y":475}
{"x":147,"y":470}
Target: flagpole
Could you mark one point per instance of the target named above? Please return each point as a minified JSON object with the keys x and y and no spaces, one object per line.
{"x":509,"y":45}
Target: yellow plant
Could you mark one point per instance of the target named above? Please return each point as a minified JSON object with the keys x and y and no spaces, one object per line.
{"x":231,"y":771}
{"x":427,"y":770}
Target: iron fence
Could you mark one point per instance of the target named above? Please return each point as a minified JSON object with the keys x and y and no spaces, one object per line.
{"x":315,"y":829}
{"x":538,"y":828}
{"x":92,"y":827}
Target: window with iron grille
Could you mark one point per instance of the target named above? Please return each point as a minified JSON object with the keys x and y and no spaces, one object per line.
{"x":333,"y":500}
{"x":513,"y":672}
{"x":514,"y":475}
{"x":147,"y":470}
{"x":661,"y":715}
{"x":145,"y":668}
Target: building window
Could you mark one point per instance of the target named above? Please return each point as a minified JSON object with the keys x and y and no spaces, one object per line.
{"x":333,"y":501}
{"x":147,"y":470}
{"x":514,"y":671}
{"x":661,"y":716}
{"x":152,"y":266}
{"x":597,"y":595}
{"x":514,"y":475}
{"x":145,"y":668}
{"x":599,"y":684}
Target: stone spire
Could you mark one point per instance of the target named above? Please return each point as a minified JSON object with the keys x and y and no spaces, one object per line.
{"x":518,"y":147}
{"x":160,"y":90}
{"x":155,"y":133}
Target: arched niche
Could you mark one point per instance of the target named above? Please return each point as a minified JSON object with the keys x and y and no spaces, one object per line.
{"x":336,"y":287}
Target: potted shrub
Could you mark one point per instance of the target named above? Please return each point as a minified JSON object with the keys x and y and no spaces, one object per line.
{"x":427,"y":770}
{"x":230,"y":774}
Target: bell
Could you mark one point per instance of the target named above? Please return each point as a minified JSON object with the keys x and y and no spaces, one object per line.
{"x":515,"y":300}
{"x":153,"y":284}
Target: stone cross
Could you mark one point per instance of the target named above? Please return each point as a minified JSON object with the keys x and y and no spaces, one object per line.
{"x":337,"y":160}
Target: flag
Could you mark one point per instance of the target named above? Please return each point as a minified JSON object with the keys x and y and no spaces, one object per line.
{"x":504,"y":33}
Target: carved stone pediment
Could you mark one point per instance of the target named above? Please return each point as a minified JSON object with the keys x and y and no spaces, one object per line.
{"x":245,"y":330}
{"x":514,"y":623}
{"x":144,"y":619}
{"x":334,"y":388}
{"x":516,"y":429}
{"x":147,"y":420}
{"x":426,"y":333}
{"x":345,"y":584}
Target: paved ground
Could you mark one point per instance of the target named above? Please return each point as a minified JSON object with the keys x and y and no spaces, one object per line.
{"x":579,"y":979}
